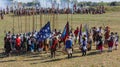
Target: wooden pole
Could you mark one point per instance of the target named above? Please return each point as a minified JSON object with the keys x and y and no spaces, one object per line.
{"x":71,"y":19}
{"x":25,"y":21}
{"x":18,"y":12}
{"x":40,"y":19}
{"x":33,"y":21}
{"x":21,"y":23}
{"x":57,"y":21}
{"x":36,"y":19}
{"x":53,"y":21}
{"x":29,"y":20}
{"x":51,"y":15}
{"x":13,"y":29}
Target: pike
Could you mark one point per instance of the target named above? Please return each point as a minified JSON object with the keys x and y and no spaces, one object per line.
{"x":33,"y":29}
{"x":21,"y":22}
{"x":40,"y":19}
{"x":36,"y":19}
{"x":29,"y":21}
{"x":13,"y":30}
{"x":25,"y":21}
{"x":18,"y":20}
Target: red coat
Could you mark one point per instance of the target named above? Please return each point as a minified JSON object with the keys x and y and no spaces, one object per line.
{"x":55,"y":42}
{"x":76,"y":32}
{"x":110,"y":43}
{"x":107,"y":33}
{"x":18,"y":41}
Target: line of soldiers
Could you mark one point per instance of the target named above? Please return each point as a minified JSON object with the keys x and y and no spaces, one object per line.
{"x":30,"y":11}
{"x":37,"y":11}
{"x":2,"y":15}
{"x":28,"y":42}
{"x":4,"y":12}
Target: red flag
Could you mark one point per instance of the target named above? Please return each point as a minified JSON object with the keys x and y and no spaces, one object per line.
{"x":80,"y":33}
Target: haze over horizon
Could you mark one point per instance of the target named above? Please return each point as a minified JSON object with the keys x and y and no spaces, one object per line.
{"x":47,"y":3}
{"x":78,"y":0}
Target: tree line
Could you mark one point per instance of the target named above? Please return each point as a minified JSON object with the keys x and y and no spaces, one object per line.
{"x":89,"y":3}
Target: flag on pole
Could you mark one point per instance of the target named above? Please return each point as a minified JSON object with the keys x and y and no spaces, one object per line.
{"x":45,"y":32}
{"x":65,"y":32}
{"x":86,"y":31}
{"x":80,"y":34}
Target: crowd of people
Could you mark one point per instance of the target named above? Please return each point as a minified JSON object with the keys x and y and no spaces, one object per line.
{"x":28,"y":42}
{"x":30,"y":11}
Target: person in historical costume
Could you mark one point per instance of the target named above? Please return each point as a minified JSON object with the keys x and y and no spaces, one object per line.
{"x":100,"y":31}
{"x":28,"y":44}
{"x":107,"y":34}
{"x":46,"y":44}
{"x":111,"y":42}
{"x":68,"y":46}
{"x":7,"y":45}
{"x":76,"y":34}
{"x":2,"y":15}
{"x":32,"y":46}
{"x":24,"y":42}
{"x":53,"y":47}
{"x":84,"y":46}
{"x":13,"y":42}
{"x":41,"y":46}
{"x":100,"y":44}
{"x":116,"y":40}
{"x":94,"y":32}
{"x":90,"y":42}
{"x":18,"y":43}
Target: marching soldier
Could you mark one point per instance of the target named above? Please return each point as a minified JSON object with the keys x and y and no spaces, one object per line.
{"x":1,"y":14}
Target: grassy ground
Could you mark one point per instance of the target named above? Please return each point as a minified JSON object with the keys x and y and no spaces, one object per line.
{"x":39,"y":60}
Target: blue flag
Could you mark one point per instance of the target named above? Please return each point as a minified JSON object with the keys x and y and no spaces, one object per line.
{"x":65,"y":32}
{"x":44,"y":33}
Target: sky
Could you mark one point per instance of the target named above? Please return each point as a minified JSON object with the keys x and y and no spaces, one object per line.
{"x":46,"y":3}
{"x":78,"y":0}
{"x":99,"y":0}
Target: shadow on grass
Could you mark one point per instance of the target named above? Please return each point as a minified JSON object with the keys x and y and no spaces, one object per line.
{"x":58,"y":59}
{"x":2,"y":55}
{"x":7,"y":61}
{"x":46,"y":58}
{"x":96,"y":52}
{"x":22,"y":53}
{"x":32,"y":60}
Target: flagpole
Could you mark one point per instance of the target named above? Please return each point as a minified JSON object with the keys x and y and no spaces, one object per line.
{"x":25,"y":21}
{"x":56,"y":20}
{"x":33,"y":20}
{"x":13,"y":30}
{"x":41,"y":19}
{"x":72,"y":16}
{"x":68,"y":12}
{"x":58,"y":15}
{"x":53,"y":19}
{"x":18,"y":20}
{"x":36,"y":17}
{"x":21,"y":23}
{"x":29,"y":20}
{"x":26,"y":18}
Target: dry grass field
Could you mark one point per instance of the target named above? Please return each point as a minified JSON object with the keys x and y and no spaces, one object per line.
{"x":93,"y":59}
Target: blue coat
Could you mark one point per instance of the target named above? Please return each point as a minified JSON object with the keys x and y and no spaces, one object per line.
{"x":68,"y":43}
